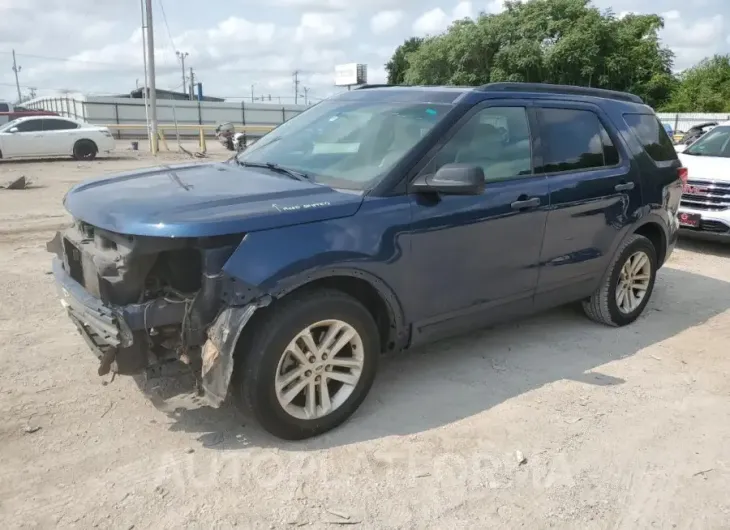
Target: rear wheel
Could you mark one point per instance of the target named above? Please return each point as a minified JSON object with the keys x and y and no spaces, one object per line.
{"x":309,"y":365}
{"x":85,"y":150}
{"x":627,"y":285}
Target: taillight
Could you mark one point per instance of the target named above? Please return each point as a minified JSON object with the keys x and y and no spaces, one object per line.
{"x":683,"y":174}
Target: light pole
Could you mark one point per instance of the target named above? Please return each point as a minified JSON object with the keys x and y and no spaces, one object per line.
{"x":252,"y":93}
{"x":181,"y":56}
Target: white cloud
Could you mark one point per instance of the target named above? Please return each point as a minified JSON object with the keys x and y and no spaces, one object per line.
{"x":437,"y":20}
{"x":433,"y":21}
{"x":322,"y":27}
{"x":385,"y":21}
{"x":692,"y":41}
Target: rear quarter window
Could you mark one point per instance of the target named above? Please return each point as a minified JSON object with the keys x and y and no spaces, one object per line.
{"x":4,"y":107}
{"x":652,"y":135}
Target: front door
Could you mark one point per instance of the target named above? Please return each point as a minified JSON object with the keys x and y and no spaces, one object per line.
{"x":24,"y":141}
{"x":594,"y":196}
{"x":476,"y":257}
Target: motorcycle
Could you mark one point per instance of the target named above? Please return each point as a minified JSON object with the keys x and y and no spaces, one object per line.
{"x":229,"y":138}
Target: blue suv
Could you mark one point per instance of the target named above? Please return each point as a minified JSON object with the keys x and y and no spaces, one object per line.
{"x":380,"y":219}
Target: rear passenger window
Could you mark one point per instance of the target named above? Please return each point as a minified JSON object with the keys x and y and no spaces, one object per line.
{"x":4,"y":107}
{"x":58,"y":125}
{"x":652,"y":135}
{"x":575,"y":140}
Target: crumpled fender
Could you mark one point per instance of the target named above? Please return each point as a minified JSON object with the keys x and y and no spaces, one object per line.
{"x":218,"y":350}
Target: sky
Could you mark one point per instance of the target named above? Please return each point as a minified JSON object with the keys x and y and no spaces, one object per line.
{"x":234,"y":47}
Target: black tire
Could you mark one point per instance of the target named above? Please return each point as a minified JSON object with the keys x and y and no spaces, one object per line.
{"x":85,"y":150}
{"x":257,"y":365}
{"x":602,"y":306}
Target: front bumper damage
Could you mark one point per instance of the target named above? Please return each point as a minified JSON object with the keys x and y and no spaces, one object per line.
{"x":200,"y":329}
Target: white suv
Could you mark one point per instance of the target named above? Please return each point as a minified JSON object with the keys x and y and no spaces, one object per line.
{"x":705,"y":208}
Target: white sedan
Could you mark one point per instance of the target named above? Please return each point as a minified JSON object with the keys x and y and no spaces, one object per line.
{"x":54,"y":136}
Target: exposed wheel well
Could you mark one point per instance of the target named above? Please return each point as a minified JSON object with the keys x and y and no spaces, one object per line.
{"x":655,"y":234}
{"x":362,"y":291}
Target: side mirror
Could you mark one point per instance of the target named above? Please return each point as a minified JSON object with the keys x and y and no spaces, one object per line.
{"x":13,"y":130}
{"x":452,"y":179}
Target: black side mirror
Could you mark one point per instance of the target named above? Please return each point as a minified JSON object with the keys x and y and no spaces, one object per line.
{"x":452,"y":179}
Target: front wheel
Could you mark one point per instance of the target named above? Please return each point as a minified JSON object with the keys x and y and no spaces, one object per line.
{"x":310,"y":364}
{"x":627,"y":285}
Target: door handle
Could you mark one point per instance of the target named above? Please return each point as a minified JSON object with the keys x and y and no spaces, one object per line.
{"x":526,"y":203}
{"x":624,"y":186}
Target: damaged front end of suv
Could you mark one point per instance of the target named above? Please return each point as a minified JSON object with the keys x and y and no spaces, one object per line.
{"x":142,"y":302}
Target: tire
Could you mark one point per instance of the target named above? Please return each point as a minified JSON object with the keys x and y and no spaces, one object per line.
{"x":85,"y":150}
{"x":260,"y":367}
{"x":603,"y":306}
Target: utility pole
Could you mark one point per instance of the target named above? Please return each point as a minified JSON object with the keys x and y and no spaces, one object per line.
{"x":151,"y":66}
{"x":306,"y":94}
{"x":17,"y":69}
{"x":296,"y":86}
{"x":192,"y":84}
{"x":181,"y":56}
{"x":146,"y":85}
{"x":252,"y":99}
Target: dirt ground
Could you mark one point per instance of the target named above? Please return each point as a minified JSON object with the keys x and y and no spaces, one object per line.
{"x":549,"y":422}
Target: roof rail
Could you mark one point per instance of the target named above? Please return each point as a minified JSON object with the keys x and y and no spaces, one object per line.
{"x":561,"y":89}
{"x":383,"y":85}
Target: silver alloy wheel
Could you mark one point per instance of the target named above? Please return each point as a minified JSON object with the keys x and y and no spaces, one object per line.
{"x":319,"y":369}
{"x":633,"y":282}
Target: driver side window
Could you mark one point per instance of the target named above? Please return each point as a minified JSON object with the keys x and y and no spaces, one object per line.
{"x":497,"y":139}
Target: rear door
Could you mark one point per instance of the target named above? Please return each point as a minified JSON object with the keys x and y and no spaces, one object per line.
{"x":594,"y":195}
{"x":59,"y":136}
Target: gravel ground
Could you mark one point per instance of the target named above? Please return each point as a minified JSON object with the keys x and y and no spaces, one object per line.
{"x":552,"y":421}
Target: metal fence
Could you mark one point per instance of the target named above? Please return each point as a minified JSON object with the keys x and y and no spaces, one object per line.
{"x":128,"y":112}
{"x":681,"y":122}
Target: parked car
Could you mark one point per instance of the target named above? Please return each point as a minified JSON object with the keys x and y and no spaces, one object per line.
{"x":705,"y":208}
{"x":381,"y":219}
{"x":693,"y":134}
{"x":51,"y":136}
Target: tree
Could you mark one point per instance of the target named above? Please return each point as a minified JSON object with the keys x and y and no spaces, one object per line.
{"x":703,"y":88}
{"x":551,"y":41}
{"x":398,"y":64}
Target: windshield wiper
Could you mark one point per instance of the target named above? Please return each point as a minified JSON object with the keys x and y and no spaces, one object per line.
{"x":297,"y":175}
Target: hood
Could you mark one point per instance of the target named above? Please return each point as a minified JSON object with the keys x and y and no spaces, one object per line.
{"x":706,"y":167}
{"x":200,"y":200}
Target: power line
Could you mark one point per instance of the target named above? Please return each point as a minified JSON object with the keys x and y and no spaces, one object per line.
{"x":167,"y":26}
{"x":63,"y":59}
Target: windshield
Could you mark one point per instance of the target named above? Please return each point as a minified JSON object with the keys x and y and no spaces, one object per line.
{"x":714,"y":143}
{"x":346,"y":144}
{"x":9,"y":125}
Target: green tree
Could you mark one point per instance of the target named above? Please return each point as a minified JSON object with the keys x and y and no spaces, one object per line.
{"x":703,"y":88}
{"x":398,"y":64}
{"x":551,"y":41}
